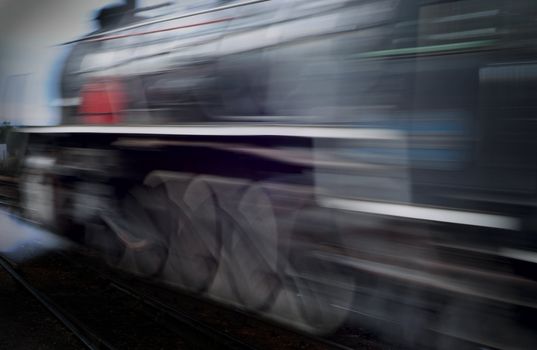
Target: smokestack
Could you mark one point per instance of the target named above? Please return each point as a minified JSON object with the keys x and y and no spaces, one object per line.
{"x":130,"y":4}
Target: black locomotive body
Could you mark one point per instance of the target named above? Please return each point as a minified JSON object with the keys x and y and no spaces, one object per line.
{"x":311,"y":161}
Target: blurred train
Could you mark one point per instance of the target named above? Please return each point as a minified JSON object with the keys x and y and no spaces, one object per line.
{"x":311,"y":161}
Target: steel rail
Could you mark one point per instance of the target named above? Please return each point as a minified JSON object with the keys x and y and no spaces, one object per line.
{"x":225,"y":340}
{"x":87,"y":337}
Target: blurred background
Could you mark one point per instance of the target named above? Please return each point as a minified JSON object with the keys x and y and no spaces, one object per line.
{"x":31,"y":54}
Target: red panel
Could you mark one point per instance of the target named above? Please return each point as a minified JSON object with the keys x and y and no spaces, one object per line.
{"x":102,"y":102}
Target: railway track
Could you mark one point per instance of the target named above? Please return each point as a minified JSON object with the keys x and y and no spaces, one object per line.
{"x":57,"y":280}
{"x":225,"y":341}
{"x":89,"y":339}
{"x":150,"y":312}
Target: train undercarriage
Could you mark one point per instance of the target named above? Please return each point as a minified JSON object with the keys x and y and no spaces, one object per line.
{"x":245,"y":220}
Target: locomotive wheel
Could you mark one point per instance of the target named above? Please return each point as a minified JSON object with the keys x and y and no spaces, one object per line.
{"x":194,"y":244}
{"x":143,"y":246}
{"x":252,"y":248}
{"x":317,"y":293}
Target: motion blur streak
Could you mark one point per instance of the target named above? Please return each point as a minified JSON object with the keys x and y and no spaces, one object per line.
{"x":166,"y":19}
{"x":112,"y":37}
{"x":423,"y":213}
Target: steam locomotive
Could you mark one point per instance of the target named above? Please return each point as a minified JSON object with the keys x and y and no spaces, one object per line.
{"x":310,"y":161}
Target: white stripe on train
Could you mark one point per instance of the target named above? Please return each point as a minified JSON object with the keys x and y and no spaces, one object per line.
{"x":228,"y":130}
{"x":423,"y":213}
